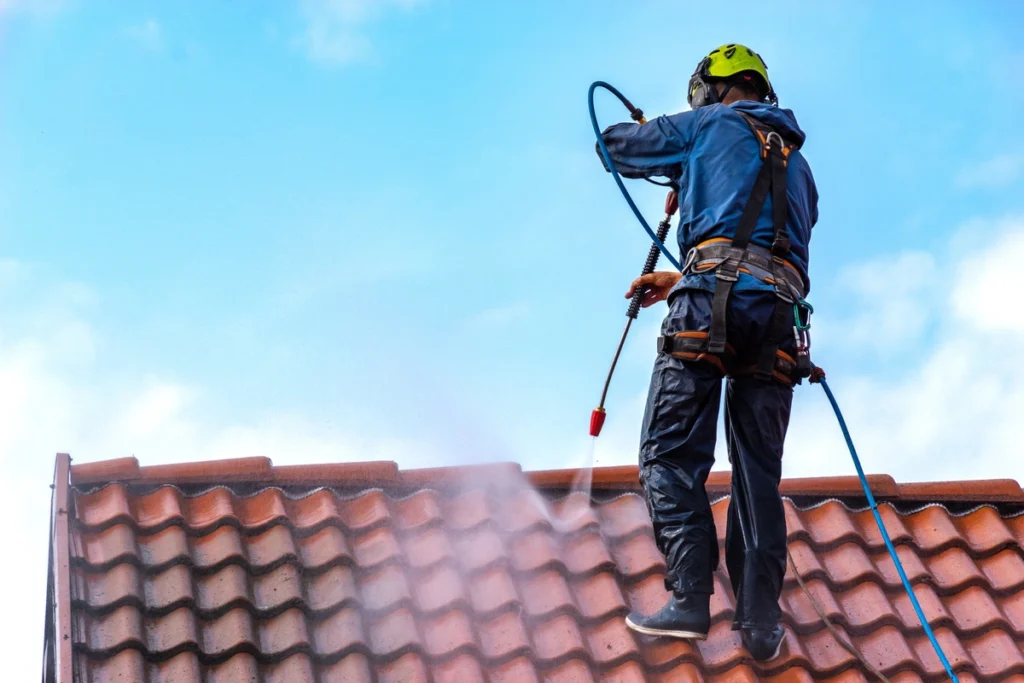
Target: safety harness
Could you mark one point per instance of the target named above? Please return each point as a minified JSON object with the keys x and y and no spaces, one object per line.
{"x":727,"y":259}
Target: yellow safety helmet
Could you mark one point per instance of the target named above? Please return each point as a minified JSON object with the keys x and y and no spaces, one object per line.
{"x":726,"y":64}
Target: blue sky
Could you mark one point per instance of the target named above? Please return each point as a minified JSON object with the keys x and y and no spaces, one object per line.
{"x":355,"y":230}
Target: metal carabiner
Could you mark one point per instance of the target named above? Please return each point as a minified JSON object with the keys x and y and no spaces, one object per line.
{"x":797,"y":319}
{"x":691,"y":258}
{"x":768,"y":141}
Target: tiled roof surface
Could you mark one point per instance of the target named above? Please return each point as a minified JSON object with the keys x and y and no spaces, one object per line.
{"x":241,"y":571}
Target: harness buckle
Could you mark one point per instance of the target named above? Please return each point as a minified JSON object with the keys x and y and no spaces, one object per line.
{"x":768,"y":142}
{"x":781,"y":246}
{"x":728,"y":270}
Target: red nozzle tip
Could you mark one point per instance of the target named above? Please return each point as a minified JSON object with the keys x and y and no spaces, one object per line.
{"x":671,"y":203}
{"x":597,"y":421}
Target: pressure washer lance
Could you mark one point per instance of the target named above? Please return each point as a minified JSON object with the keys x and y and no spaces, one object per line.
{"x":671,"y":206}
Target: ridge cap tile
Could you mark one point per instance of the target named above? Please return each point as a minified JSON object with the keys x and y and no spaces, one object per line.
{"x":500,"y":474}
{"x":117,"y":469}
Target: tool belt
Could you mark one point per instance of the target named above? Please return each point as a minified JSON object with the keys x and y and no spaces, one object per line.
{"x":728,"y":258}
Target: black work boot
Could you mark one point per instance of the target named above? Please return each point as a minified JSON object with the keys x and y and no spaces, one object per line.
{"x":763,"y":644}
{"x":687,"y":615}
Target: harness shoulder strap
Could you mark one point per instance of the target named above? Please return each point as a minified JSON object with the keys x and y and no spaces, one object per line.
{"x":775,"y":153}
{"x":770,"y":178}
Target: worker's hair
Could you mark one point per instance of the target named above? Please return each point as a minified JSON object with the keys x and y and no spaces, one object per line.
{"x":749,"y":84}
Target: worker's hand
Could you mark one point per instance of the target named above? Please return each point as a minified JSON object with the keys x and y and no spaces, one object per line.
{"x":657,"y":285}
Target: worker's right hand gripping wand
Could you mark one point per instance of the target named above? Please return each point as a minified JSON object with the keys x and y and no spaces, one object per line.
{"x":671,"y":205}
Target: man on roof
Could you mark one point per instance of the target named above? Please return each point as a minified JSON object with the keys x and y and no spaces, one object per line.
{"x":747,"y":203}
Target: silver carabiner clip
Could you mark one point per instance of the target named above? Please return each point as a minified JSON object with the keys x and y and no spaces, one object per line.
{"x":691,"y":258}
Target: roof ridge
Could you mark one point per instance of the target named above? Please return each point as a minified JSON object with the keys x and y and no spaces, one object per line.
{"x":387,"y":475}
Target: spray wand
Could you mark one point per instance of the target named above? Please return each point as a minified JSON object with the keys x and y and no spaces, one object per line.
{"x":657,"y":248}
{"x":671,"y":205}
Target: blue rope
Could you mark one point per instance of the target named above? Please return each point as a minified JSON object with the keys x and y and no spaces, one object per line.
{"x":885,"y":535}
{"x":824,"y":385}
{"x":615,"y":174}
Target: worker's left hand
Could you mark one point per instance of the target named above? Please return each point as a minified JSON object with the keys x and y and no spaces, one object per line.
{"x":657,"y":285}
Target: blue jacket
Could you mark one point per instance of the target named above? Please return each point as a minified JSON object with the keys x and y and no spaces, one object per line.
{"x":714,"y":157}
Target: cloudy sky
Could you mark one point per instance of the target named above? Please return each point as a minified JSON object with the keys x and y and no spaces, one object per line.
{"x":377,"y":229}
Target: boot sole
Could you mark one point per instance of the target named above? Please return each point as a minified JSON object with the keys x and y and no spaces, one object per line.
{"x":778,"y":648}
{"x":685,"y":635}
{"x":778,"y":651}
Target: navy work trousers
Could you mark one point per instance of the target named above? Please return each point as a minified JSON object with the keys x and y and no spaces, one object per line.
{"x":677,"y":451}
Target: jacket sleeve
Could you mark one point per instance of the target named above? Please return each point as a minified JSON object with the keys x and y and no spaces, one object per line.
{"x":814,"y":199}
{"x":656,"y":148}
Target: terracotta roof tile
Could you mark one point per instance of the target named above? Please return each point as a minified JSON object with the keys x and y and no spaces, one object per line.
{"x":325,"y":548}
{"x":558,"y":638}
{"x":504,"y":636}
{"x":1004,"y":571}
{"x":587,"y":554}
{"x":479,"y":549}
{"x":439,"y":589}
{"x":319,"y":592}
{"x":599,"y":596}
{"x":410,"y":667}
{"x":367,"y":573}
{"x":461,"y":669}
{"x":547,"y":594}
{"x":638,"y":556}
{"x":339,"y":632}
{"x":492,"y":590}
{"x":569,"y":672}
{"x":518,"y":670}
{"x":384,"y":589}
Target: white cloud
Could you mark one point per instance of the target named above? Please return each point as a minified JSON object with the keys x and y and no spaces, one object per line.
{"x":894,"y":302}
{"x":335,"y":29}
{"x":149,"y":35}
{"x":36,"y":8}
{"x":501,"y":316}
{"x":954,"y":413}
{"x":990,"y":284}
{"x":153,"y":409}
{"x":999,"y":171}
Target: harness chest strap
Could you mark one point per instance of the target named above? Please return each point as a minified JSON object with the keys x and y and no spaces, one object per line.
{"x":771,"y":177}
